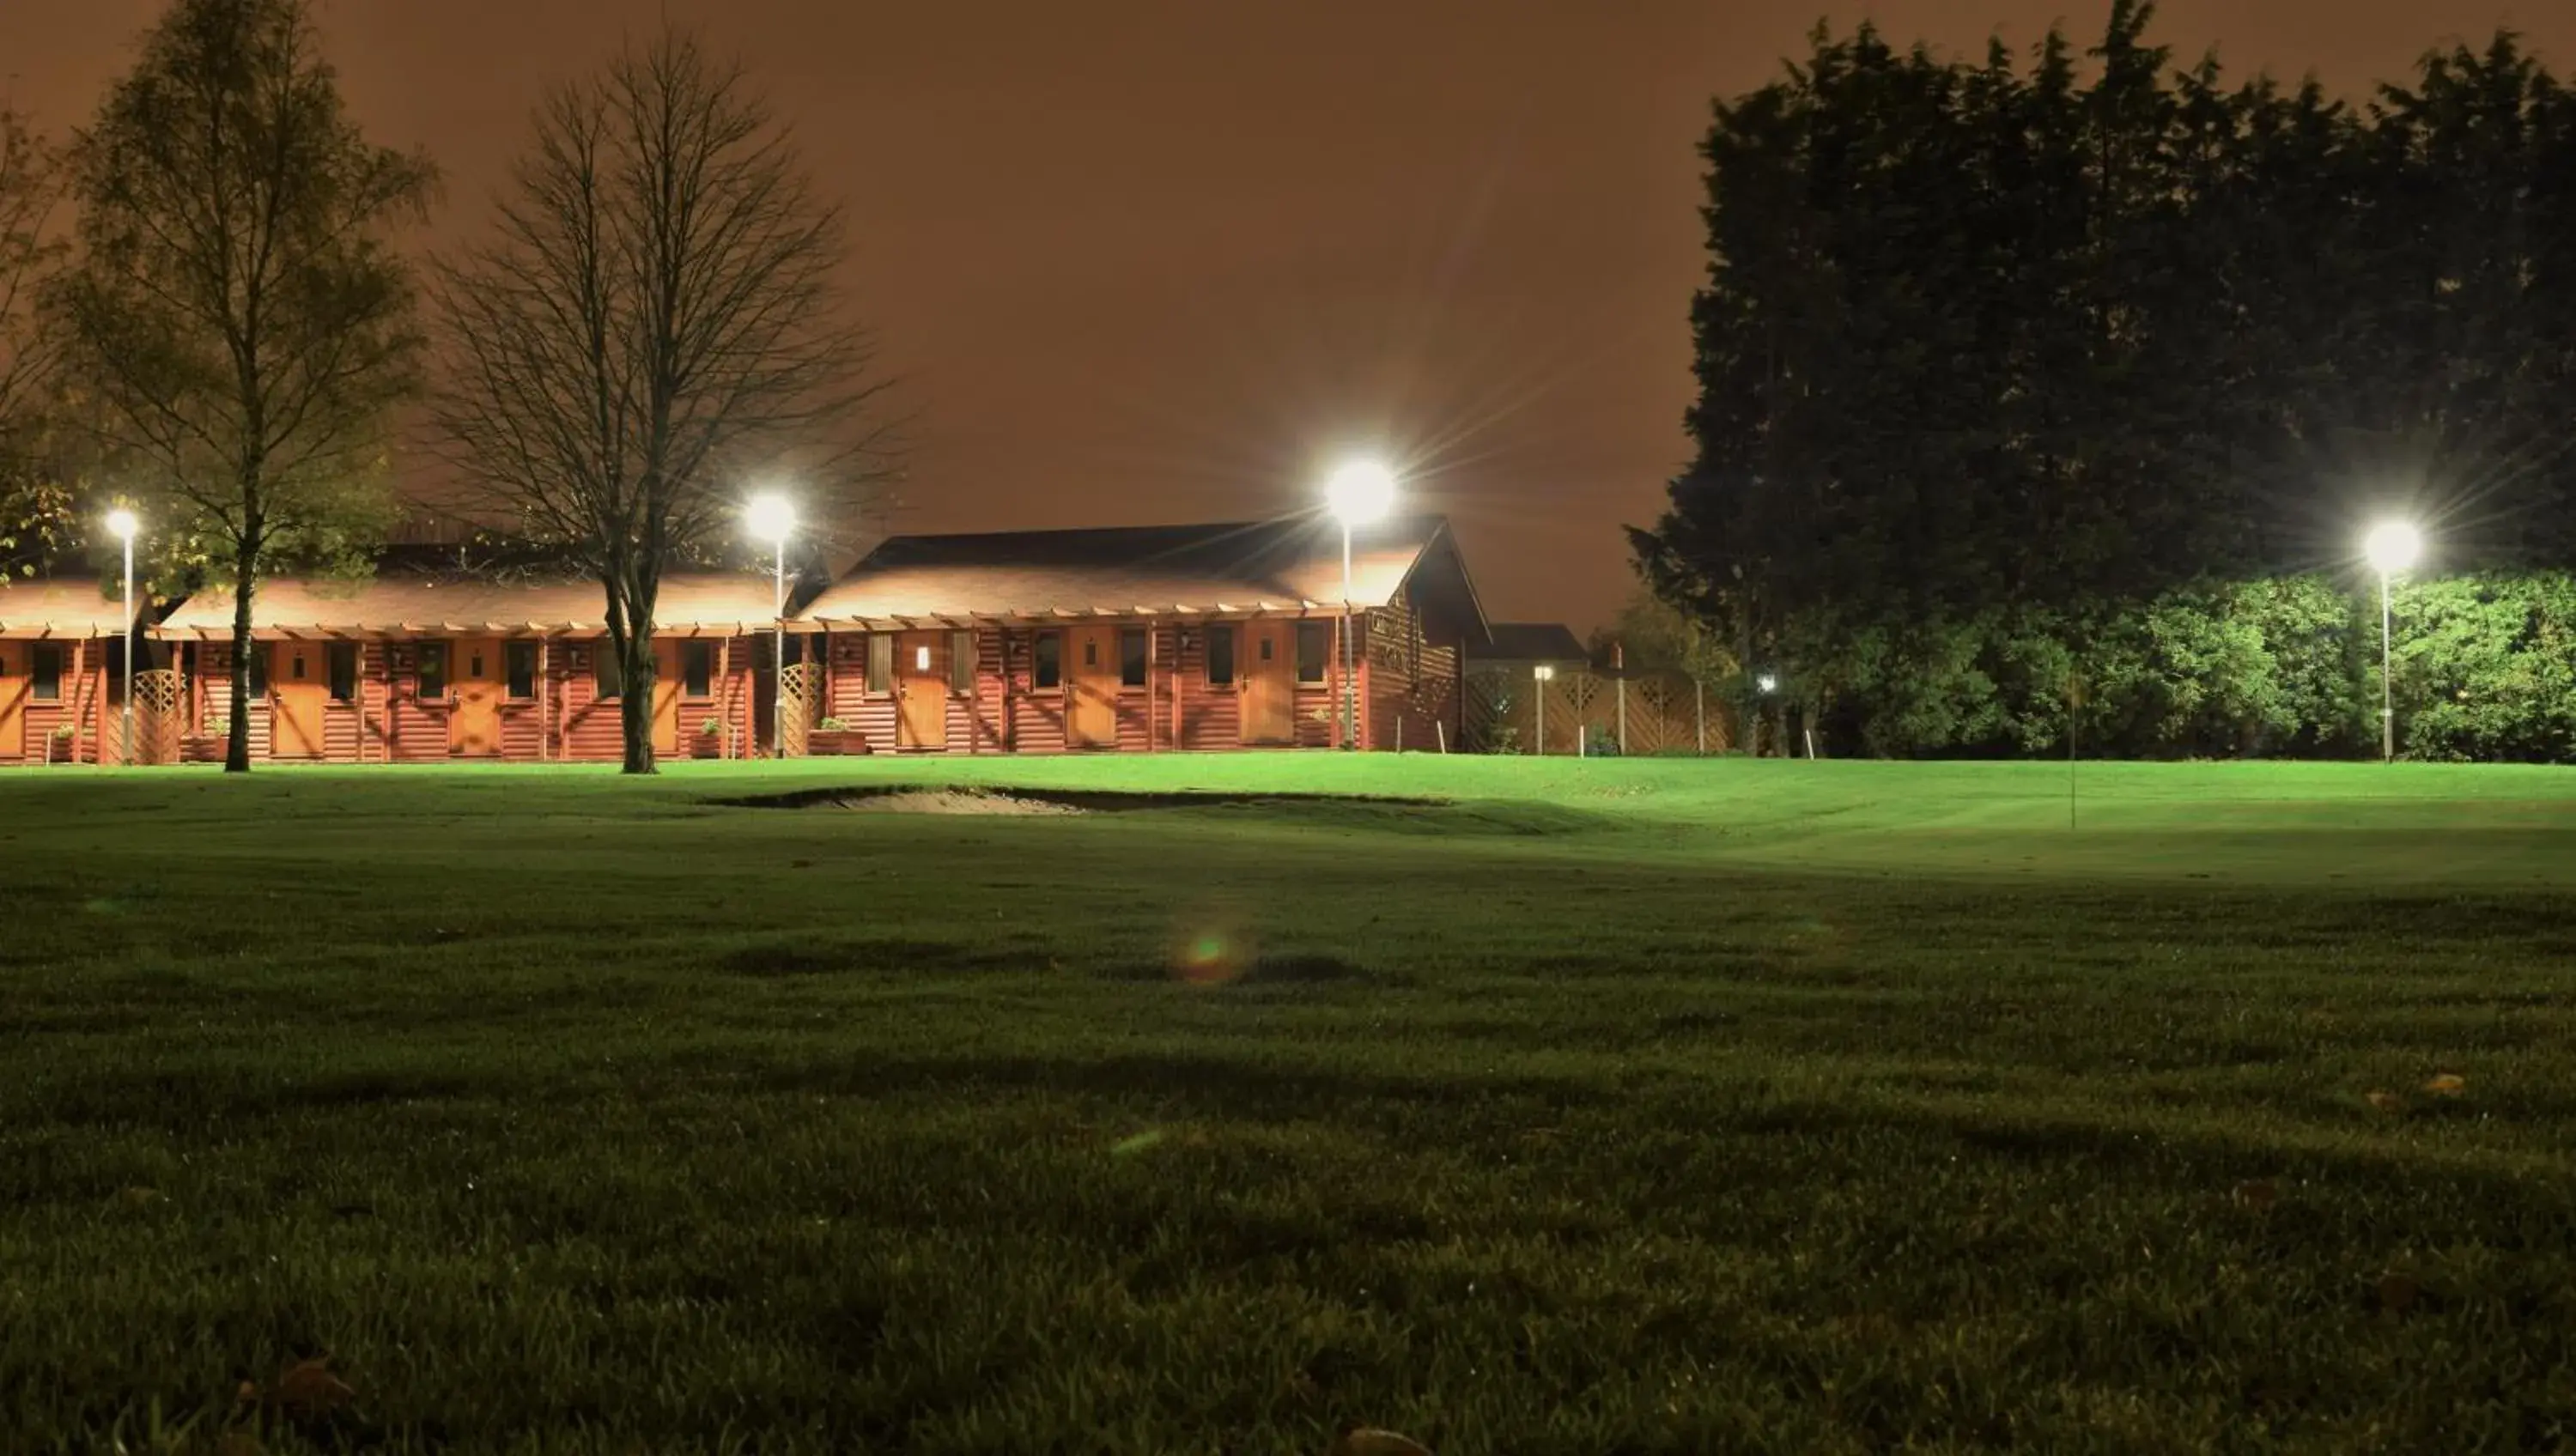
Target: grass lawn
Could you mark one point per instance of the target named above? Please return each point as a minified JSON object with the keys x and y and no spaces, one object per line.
{"x":1598,"y":1107}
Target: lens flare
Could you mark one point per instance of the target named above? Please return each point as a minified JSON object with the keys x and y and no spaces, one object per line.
{"x":1210,"y":953}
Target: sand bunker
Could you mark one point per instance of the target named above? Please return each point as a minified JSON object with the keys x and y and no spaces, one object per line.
{"x":948,"y":801}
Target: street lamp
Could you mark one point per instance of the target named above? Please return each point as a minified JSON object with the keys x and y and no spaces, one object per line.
{"x":121,"y":524}
{"x":1358,"y":493}
{"x":1542,"y":675}
{"x":772,"y":518}
{"x":2392,"y":546}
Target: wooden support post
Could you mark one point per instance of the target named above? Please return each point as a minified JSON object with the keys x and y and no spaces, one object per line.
{"x":1365,"y":729}
{"x":1181,"y":676}
{"x":1699,"y":714}
{"x":1619,"y":666}
{"x":545,"y":700}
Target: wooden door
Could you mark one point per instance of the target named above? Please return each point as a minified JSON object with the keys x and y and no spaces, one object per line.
{"x":17,"y":685}
{"x":1269,"y":673}
{"x":299,"y":692}
{"x":481,"y":679}
{"x":666,"y":697}
{"x":921,"y":690}
{"x":1091,"y":683}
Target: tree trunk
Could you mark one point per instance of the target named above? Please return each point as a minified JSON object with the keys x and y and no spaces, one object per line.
{"x":630,"y":636}
{"x":246,"y":580}
{"x":635,"y":711}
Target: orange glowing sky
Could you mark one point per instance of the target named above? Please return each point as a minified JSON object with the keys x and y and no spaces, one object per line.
{"x":1155,"y":260}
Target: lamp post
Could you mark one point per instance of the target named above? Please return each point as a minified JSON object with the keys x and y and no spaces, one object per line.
{"x":772,"y":519}
{"x":2392,"y":547}
{"x":1540,"y":677}
{"x":121,"y":524}
{"x":1358,"y":493}
{"x":1769,"y":683}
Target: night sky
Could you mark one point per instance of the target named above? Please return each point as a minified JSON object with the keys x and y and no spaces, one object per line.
{"x":1158,"y":260}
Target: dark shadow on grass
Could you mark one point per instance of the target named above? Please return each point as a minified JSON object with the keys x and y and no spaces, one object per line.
{"x":1095,"y":801}
{"x":882,"y":956}
{"x":1250,"y":1091}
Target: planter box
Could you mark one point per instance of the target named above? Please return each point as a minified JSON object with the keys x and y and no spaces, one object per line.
{"x":835,"y":743}
{"x":706,"y":745}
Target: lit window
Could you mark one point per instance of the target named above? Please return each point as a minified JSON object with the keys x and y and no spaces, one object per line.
{"x":1314,"y":650}
{"x":880,"y":661}
{"x":921,"y":658}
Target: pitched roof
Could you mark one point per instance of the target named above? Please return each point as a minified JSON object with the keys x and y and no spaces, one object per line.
{"x":60,"y":607}
{"x":1228,"y":569}
{"x":405,"y":603}
{"x":1531,"y":642}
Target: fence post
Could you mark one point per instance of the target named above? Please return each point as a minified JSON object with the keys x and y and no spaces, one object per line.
{"x":1619,"y":685}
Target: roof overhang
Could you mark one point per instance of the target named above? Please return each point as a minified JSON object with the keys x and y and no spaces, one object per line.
{"x":1180,"y":612}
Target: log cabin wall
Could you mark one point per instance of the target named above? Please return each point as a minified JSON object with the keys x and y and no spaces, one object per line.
{"x":1175,"y":708}
{"x":390,"y":721}
{"x":1415,"y":687}
{"x":80,"y":701}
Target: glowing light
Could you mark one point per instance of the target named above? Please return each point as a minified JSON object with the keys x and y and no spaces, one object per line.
{"x":921,"y":659}
{"x":2393,"y":546}
{"x":1209,"y":956}
{"x":769,"y":517}
{"x":1360,"y":492}
{"x":1543,"y":673}
{"x":121,"y":524}
{"x":1767,"y":683}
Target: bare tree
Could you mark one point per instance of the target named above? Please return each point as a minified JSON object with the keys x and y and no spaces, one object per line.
{"x":31,"y":506}
{"x":29,"y":188}
{"x":235,"y":307}
{"x":655,"y":322}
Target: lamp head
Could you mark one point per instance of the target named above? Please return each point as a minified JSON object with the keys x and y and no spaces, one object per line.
{"x":1768,"y":683}
{"x":1543,"y":672}
{"x":1360,"y":492}
{"x":121,"y":524}
{"x":2393,"y":546}
{"x":769,"y":517}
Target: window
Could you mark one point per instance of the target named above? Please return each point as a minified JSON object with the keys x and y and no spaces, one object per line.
{"x":1131,"y":657}
{"x":521,"y":660}
{"x":344,"y":672}
{"x":1220,"y":655}
{"x":607,"y":680}
{"x":697,"y":669}
{"x":1314,"y":650}
{"x":258,"y":665}
{"x":880,"y":661}
{"x":1049,"y":666}
{"x":430,"y":676}
{"x":49,"y":672}
{"x":961,"y":662}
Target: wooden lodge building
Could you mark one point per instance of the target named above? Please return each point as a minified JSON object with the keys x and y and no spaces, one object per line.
{"x":428,"y":665}
{"x":1144,"y":638}
{"x":62,"y":656}
{"x":1135,"y":639}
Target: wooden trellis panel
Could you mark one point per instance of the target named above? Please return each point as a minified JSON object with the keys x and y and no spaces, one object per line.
{"x":800,"y":690}
{"x":1664,"y":713}
{"x":160,"y":715}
